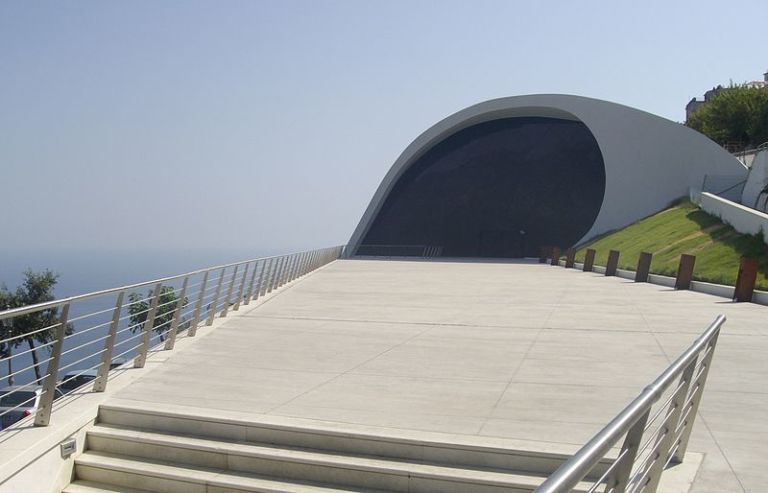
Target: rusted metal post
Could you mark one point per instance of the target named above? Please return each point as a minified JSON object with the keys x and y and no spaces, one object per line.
{"x":589,"y":260}
{"x":613,"y":263}
{"x":570,"y":258}
{"x":685,"y":271}
{"x":543,"y":254}
{"x":643,"y":267}
{"x":745,"y":282}
{"x":555,"y":256}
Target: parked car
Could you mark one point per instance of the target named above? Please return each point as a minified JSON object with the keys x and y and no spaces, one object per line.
{"x":19,"y":401}
{"x":117,"y":362}
{"x":78,"y":378}
{"x":75,"y":379}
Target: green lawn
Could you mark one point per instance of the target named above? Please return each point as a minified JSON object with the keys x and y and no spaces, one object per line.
{"x":683,"y":228}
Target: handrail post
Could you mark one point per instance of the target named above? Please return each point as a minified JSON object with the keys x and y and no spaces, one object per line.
{"x":697,"y":389}
{"x":665,"y":441}
{"x":43,"y":413}
{"x":261,"y":289}
{"x":271,"y":275}
{"x":198,"y":307}
{"x":225,"y":308}
{"x":241,"y":288}
{"x":171,"y":341}
{"x":100,"y":384}
{"x":618,"y":480}
{"x":215,"y":300}
{"x":296,"y":267}
{"x":288,"y":269}
{"x":267,"y":287}
{"x":283,"y":269}
{"x":251,"y":284}
{"x":146,"y":329}
{"x":273,"y":281}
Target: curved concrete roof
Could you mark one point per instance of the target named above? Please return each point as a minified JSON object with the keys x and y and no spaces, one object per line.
{"x":649,"y":160}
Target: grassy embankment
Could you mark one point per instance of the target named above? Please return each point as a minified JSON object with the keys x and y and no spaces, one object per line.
{"x":683,"y":228}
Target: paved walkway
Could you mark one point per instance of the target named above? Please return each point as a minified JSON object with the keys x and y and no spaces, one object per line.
{"x":521,"y":351}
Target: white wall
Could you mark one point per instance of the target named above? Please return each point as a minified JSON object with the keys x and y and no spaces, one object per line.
{"x":743,"y":219}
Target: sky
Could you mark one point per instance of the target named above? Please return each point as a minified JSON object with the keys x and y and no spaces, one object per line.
{"x":267,"y":126}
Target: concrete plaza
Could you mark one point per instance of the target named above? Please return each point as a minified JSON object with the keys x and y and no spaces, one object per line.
{"x":507,"y":350}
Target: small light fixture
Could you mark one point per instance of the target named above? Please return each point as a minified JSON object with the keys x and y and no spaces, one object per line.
{"x":68,"y":447}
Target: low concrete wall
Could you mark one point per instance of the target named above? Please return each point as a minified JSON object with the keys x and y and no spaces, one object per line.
{"x":743,"y":219}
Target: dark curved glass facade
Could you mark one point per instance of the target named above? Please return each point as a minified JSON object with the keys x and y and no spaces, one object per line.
{"x":502,"y":188}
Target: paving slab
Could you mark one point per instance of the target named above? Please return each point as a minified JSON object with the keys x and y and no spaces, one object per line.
{"x":514,"y":350}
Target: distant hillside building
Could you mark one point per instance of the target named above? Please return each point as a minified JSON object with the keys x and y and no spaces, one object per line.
{"x":694,"y":104}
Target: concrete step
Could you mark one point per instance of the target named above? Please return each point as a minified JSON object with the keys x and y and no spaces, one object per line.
{"x":91,"y":487}
{"x":162,"y":450}
{"x":169,"y":477}
{"x":93,"y":468}
{"x":536,"y":458}
{"x":293,"y":464}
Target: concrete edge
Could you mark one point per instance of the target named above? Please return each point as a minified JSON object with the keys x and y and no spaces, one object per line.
{"x":530,"y":448}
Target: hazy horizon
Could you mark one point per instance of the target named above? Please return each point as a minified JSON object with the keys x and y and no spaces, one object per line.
{"x":248,"y":126}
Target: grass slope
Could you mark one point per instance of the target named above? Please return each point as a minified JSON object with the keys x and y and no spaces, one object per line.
{"x":683,"y":228}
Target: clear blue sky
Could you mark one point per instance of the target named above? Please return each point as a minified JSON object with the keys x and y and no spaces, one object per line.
{"x":231,"y":125}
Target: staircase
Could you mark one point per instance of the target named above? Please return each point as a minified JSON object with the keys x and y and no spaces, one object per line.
{"x":134,"y":450}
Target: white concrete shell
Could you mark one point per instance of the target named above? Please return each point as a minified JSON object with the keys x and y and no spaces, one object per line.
{"x":649,"y":160}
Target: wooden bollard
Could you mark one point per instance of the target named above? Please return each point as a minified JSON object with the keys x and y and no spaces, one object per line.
{"x":555,"y":256}
{"x":745,"y":282}
{"x":643,"y":267}
{"x":570,"y":258}
{"x":589,"y":260}
{"x":613,"y":263}
{"x":685,"y":271}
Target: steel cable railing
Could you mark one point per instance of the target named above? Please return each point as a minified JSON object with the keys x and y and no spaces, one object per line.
{"x":647,"y":447}
{"x":86,"y":336}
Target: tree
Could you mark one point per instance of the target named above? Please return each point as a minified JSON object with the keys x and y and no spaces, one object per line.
{"x":36,"y":288}
{"x":738,"y":113}
{"x":166,"y":306}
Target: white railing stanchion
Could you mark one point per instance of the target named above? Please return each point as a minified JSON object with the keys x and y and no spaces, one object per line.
{"x":170,"y":342}
{"x":146,"y":329}
{"x":696,"y":389}
{"x":43,"y":413}
{"x":241,"y":289}
{"x":215,"y":301}
{"x":618,"y":480}
{"x":100,"y":384}
{"x":251,"y":284}
{"x":198,"y":306}
{"x":228,"y":298}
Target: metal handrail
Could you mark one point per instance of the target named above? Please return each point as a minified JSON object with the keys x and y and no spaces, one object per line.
{"x":194,"y":304}
{"x":573,"y":471}
{"x":24,"y":310}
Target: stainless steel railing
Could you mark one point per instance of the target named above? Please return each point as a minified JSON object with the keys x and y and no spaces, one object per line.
{"x":86,"y":336}
{"x":655,"y":428}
